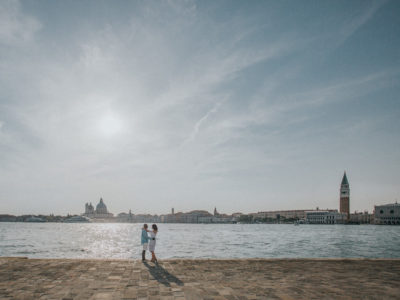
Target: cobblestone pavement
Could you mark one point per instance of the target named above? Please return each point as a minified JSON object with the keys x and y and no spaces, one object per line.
{"x":199,"y":279}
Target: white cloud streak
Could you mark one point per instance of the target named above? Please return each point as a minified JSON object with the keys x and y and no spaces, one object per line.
{"x":15,"y":26}
{"x":174,"y":77}
{"x":358,"y":20}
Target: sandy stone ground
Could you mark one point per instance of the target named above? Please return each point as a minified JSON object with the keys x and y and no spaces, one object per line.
{"x":200,"y":279}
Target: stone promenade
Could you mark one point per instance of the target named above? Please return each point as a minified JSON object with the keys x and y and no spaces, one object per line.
{"x":199,"y":279}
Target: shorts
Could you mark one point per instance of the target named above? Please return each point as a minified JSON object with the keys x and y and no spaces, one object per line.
{"x":144,"y":246}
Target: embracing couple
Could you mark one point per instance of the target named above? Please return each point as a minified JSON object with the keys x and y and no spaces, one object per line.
{"x":149,"y":241}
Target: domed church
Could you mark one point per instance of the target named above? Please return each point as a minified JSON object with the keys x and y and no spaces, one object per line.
{"x":100,"y":212}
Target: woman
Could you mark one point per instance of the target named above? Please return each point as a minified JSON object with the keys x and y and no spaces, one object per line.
{"x":152,"y":244}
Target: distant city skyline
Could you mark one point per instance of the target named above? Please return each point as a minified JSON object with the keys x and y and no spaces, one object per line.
{"x":242,"y":106}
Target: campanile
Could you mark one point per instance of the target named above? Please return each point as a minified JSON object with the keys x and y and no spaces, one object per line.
{"x":345,"y":196}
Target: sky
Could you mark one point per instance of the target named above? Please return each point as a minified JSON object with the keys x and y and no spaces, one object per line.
{"x":241,"y":105}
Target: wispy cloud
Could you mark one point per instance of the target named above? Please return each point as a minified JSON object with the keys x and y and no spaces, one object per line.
{"x":359,"y":19}
{"x":179,"y":96}
{"x":196,"y":127}
{"x":15,"y":26}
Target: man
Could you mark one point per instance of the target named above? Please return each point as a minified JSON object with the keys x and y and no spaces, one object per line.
{"x":145,"y":241}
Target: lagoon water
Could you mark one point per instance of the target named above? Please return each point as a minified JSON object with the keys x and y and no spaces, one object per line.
{"x":97,"y":240}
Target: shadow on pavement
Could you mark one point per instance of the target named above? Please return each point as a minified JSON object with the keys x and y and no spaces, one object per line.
{"x":162,"y":275}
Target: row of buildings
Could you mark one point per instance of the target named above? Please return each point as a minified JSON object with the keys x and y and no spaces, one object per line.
{"x":388,"y":214}
{"x":101,"y":214}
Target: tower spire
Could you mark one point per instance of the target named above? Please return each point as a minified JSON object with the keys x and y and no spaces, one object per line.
{"x":344,"y":179}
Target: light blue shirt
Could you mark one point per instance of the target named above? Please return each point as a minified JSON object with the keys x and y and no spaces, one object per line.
{"x":145,"y":237}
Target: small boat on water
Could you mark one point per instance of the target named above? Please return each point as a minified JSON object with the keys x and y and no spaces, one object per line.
{"x":77,"y":219}
{"x":35,"y":219}
{"x":298,"y":222}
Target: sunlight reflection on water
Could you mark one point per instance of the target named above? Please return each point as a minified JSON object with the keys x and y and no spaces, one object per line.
{"x":96,"y":240}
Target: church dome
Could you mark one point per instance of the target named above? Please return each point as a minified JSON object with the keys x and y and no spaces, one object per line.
{"x":101,"y":208}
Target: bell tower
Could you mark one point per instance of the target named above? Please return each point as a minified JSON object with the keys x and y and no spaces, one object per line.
{"x":345,"y":196}
{"x":215,"y":212}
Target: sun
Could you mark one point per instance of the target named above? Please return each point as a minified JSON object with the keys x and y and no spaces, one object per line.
{"x":110,"y":125}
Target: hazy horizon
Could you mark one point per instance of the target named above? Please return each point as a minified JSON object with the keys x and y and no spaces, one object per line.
{"x":243,"y":106}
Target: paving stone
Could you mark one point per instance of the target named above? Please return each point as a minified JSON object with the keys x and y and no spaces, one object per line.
{"x":199,"y":279}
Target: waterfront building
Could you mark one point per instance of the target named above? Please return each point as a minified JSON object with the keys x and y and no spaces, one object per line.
{"x":325,"y":217}
{"x":236,"y":216}
{"x":215,"y":212}
{"x":196,"y":216}
{"x":361,"y":218}
{"x":145,"y":218}
{"x":296,"y":214}
{"x":101,"y":211}
{"x":388,"y":214}
{"x":222,"y":218}
{"x":89,"y":209}
{"x":125,"y":217}
{"x":170,"y":218}
{"x":345,"y":197}
{"x":205,"y":219}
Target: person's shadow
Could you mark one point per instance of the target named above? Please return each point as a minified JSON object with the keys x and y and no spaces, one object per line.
{"x":162,"y":275}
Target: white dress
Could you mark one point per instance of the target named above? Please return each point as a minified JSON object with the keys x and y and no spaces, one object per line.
{"x":152,"y":241}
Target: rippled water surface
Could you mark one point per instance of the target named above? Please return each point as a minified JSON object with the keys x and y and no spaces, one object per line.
{"x":95,"y":240}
